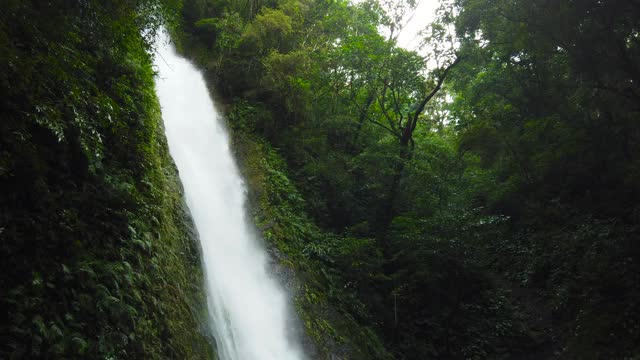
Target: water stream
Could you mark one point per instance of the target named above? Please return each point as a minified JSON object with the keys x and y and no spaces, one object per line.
{"x":248,"y":308}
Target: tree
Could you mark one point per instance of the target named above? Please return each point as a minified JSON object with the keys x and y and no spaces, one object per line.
{"x":553,"y":88}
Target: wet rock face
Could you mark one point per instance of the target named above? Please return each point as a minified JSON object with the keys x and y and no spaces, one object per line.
{"x":295,"y":288}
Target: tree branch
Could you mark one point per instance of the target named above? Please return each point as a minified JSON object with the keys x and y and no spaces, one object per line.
{"x":381,"y":102}
{"x":435,"y":90}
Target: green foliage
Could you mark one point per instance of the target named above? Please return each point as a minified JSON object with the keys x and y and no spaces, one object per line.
{"x":443,"y":228}
{"x":548,"y":107}
{"x":207,"y":29}
{"x":553,"y":125}
{"x":586,"y":268}
{"x":268,"y":30}
{"x":98,"y":256}
{"x":317,"y":258}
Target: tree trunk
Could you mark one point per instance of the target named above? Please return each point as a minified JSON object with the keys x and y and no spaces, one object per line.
{"x":388,"y":209}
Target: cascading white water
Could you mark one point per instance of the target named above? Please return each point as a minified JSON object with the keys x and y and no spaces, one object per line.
{"x":248,"y":309}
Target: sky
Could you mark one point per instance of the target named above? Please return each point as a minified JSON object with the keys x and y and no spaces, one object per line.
{"x":424,"y":14}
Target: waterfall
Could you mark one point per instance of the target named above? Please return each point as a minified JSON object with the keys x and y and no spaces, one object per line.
{"x":248,"y":308}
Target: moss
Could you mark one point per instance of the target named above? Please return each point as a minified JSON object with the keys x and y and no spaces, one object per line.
{"x":98,"y":256}
{"x":278,"y":210}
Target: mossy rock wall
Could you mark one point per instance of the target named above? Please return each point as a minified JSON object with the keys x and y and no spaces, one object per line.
{"x":328,"y":327}
{"x":99,"y":259}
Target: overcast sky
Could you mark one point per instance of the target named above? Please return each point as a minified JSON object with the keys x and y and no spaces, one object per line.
{"x":424,"y":14}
